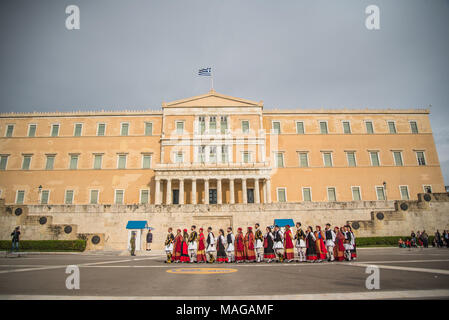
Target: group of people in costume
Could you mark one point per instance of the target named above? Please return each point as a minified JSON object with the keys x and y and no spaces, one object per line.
{"x":275,"y":244}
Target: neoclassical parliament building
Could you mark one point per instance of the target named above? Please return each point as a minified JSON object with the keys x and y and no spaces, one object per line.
{"x":212,"y":150}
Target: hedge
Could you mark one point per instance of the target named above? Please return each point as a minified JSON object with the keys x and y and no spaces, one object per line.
{"x":46,"y":245}
{"x":383,"y":241}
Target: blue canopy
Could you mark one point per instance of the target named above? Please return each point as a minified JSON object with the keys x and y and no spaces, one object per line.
{"x":137,"y":225}
{"x":284,"y":222}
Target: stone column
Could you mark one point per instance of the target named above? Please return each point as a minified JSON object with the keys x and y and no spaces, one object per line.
{"x":168,"y":198}
{"x":231,"y":191}
{"x":157,"y":193}
{"x":181,"y":191}
{"x":193,"y":195}
{"x":244,"y":192}
{"x":219,"y":195}
{"x":206,"y":191}
{"x":256,"y":191}
{"x":268,"y":187}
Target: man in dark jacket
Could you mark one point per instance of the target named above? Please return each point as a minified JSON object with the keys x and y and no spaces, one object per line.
{"x":149,"y":239}
{"x":15,"y":239}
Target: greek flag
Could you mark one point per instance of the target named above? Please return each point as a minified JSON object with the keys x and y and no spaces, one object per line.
{"x":205,"y":72}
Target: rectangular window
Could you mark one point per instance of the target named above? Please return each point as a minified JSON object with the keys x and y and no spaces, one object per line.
{"x":414,"y":127}
{"x":124,"y":129}
{"x":224,"y":154}
{"x":55,"y":130}
{"x":119,"y":196}
{"x":212,"y":125}
{"x":397,"y":158}
{"x":223,"y":124}
{"x":212,"y":154}
{"x":421,"y":158}
{"x":245,"y":126}
{"x":351,"y":158}
{"x":94,"y":196}
{"x":73,"y":162}
{"x":282,"y":197}
{"x":3,"y":162}
{"x":78,"y":129}
{"x":327,"y":156}
{"x":331,"y":195}
{"x":356,"y":194}
{"x":392,"y":126}
{"x":246,"y":157}
{"x":202,"y":154}
{"x":300,"y":127}
{"x":32,"y":130}
{"x":346,"y":127}
{"x":26,"y":162}
{"x":50,"y":162}
{"x":303,"y":160}
{"x":144,"y":195}
{"x":146,"y":161}
{"x":121,"y":161}
{"x":202,"y":122}
{"x":374,"y":155}
{"x":279,"y":160}
{"x":404,"y":193}
{"x":380,"y":191}
{"x":179,"y":127}
{"x":276,"y":127}
{"x":101,"y":129}
{"x":323,"y":127}
{"x":369,"y":127}
{"x":97,"y":161}
{"x":68,"y":196}
{"x":20,"y":196}
{"x":148,"y":129}
{"x":179,"y":158}
{"x":9,"y":130}
{"x":44,"y":196}
{"x":306,"y":194}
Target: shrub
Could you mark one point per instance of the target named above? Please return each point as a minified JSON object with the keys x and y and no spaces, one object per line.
{"x":46,"y":245}
{"x":383,"y":241}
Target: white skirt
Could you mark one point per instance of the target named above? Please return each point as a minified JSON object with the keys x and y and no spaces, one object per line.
{"x":193,"y":246}
{"x":230,"y":247}
{"x":330,"y":243}
{"x":210,"y":248}
{"x":300,"y":244}
{"x":348,"y":246}
{"x":278,"y":245}
{"x":259,"y":244}
{"x":169,"y":247}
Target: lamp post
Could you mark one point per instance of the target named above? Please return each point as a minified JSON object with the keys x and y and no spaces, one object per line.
{"x":385,"y":189}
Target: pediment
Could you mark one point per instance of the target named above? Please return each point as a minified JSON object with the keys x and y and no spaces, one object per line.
{"x":212,"y":99}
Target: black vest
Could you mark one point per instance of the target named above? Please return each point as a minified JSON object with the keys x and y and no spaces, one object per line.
{"x":229,"y":238}
{"x":328,"y":235}
{"x":277,"y":236}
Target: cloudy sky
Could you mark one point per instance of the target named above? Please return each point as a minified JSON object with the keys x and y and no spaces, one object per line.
{"x":290,"y":54}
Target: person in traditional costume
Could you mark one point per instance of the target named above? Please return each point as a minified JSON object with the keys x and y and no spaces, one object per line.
{"x":339,"y":249}
{"x":230,"y":239}
{"x":268,"y":244}
{"x":239,"y":247}
{"x":330,"y":242}
{"x":354,"y":249}
{"x":249,"y":246}
{"x":201,"y":252}
{"x":321,"y":251}
{"x":278,"y":243}
{"x":193,"y":245}
{"x":259,"y":243}
{"x":177,"y":248}
{"x":185,"y":247}
{"x":289,"y":251}
{"x":310,"y":245}
{"x":169,"y":245}
{"x":221,"y":247}
{"x":300,"y":238}
{"x":210,"y":245}
{"x":347,"y":243}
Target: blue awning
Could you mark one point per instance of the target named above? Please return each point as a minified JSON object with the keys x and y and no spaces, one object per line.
{"x":137,"y":225}
{"x":284,"y":222}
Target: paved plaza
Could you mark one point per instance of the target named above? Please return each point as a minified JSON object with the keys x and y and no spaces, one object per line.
{"x":404,"y":273}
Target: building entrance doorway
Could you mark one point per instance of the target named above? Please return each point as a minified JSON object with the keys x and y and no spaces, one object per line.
{"x":212,"y":196}
{"x":250,"y":195}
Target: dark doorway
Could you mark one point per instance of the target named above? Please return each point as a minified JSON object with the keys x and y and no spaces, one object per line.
{"x":250,"y":195}
{"x":175,"y":196}
{"x":212,"y":196}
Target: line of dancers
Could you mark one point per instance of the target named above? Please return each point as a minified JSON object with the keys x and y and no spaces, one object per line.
{"x":275,"y":244}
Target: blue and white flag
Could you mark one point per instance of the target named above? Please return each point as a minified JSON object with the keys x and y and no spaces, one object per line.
{"x":205,"y":72}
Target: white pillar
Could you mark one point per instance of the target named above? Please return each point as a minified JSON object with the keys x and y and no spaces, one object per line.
{"x":219,"y":195}
{"x":181,"y":191}
{"x":244,"y":192}
{"x":193,"y":195}
{"x":206,"y":191}
{"x":268,"y":186}
{"x":157,"y":193}
{"x":231,"y":191}
{"x":256,"y":191}
{"x":168,"y":198}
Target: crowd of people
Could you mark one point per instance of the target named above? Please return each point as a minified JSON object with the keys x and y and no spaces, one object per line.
{"x":275,"y":244}
{"x":421,"y":240}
